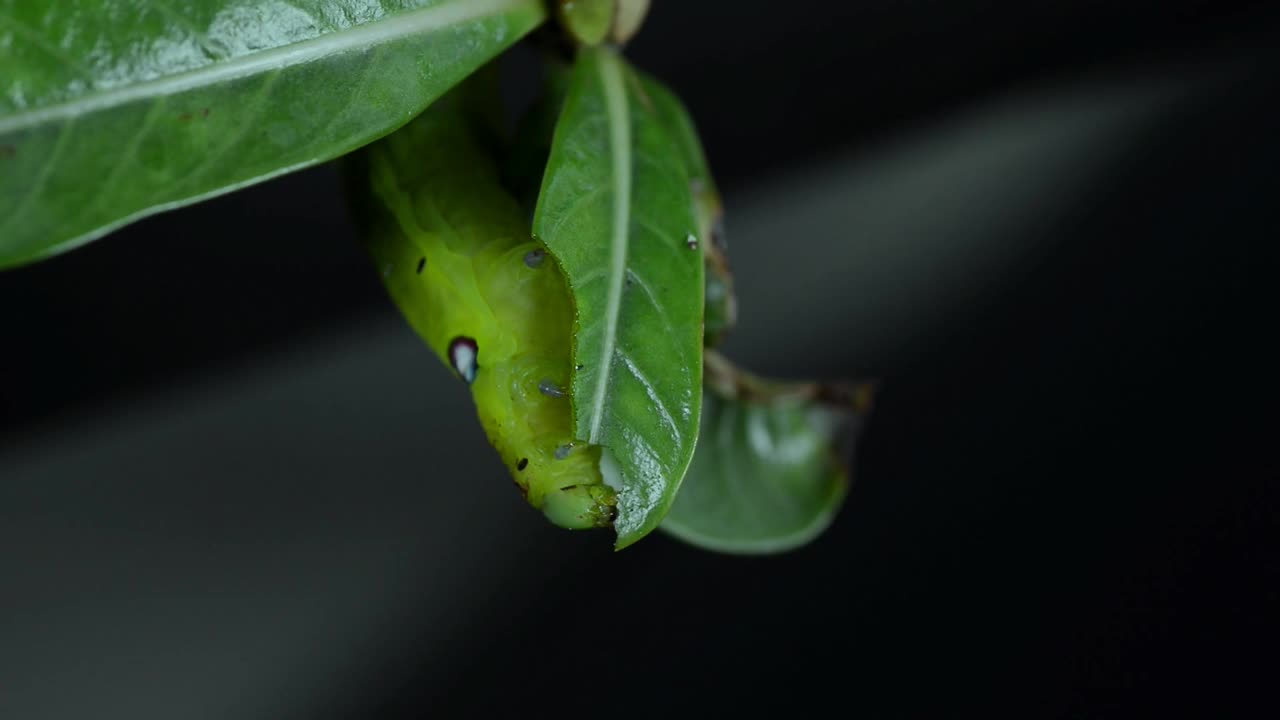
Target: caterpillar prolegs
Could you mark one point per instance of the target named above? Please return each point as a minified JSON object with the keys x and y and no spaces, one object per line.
{"x":454,"y":251}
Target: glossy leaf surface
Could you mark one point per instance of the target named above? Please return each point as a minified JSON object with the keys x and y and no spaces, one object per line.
{"x":770,"y":471}
{"x":111,"y":110}
{"x":721,"y":303}
{"x":615,"y":210}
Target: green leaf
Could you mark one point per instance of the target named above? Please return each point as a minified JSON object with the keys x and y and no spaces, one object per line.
{"x":111,"y":110}
{"x":768,"y":474}
{"x":615,"y":210}
{"x":721,"y":303}
{"x":679,"y":123}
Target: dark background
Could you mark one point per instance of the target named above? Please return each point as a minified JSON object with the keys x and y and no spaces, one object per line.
{"x":232,"y":484}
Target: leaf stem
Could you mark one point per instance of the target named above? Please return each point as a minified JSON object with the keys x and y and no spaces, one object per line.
{"x":730,"y":381}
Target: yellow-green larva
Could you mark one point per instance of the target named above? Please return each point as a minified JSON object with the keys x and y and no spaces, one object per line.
{"x":454,"y":252}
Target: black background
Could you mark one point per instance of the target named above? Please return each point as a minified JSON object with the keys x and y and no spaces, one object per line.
{"x":1067,"y":495}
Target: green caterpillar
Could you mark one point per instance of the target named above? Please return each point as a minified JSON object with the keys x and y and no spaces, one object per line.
{"x":455,"y":253}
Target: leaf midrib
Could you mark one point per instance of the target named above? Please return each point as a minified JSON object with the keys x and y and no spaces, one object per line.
{"x":400,"y":25}
{"x":619,"y":121}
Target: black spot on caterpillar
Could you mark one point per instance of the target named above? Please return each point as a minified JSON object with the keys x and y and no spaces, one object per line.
{"x":455,"y":252}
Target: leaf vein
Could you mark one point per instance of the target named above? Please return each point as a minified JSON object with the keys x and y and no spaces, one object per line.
{"x":441,"y":16}
{"x":667,"y":418}
{"x":666,"y":239}
{"x":45,"y":171}
{"x":651,"y":295}
{"x":573,"y":208}
{"x":620,"y":157}
{"x":34,"y":37}
{"x":127,"y":156}
{"x":246,"y":125}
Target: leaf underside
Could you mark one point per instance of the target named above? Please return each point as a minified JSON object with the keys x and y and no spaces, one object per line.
{"x":111,"y":110}
{"x":766,"y":477}
{"x":616,"y":211}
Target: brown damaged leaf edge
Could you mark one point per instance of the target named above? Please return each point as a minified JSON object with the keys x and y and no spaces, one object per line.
{"x":731,"y":381}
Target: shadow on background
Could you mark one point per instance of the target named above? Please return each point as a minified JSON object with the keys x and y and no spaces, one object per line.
{"x":232,"y":484}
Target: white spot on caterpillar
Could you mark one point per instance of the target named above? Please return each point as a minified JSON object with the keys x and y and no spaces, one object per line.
{"x":610,"y":471}
{"x":691,"y":241}
{"x":463,"y":353}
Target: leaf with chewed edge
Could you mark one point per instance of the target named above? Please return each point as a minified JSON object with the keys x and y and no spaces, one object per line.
{"x":616,"y":211}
